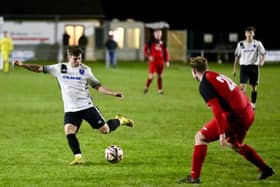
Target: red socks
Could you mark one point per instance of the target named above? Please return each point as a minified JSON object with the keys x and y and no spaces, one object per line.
{"x":148,"y":82}
{"x":251,"y":155}
{"x":159,"y":83}
{"x":199,"y":155}
{"x":200,"y":152}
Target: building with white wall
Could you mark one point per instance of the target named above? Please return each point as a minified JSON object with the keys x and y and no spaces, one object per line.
{"x":42,"y":39}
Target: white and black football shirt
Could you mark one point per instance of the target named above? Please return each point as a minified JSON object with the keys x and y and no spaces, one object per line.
{"x":249,"y":52}
{"x":73,"y":83}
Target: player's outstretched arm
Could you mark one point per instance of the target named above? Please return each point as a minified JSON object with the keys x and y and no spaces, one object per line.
{"x":262,"y":60}
{"x":107,"y":91}
{"x":236,"y":61}
{"x":30,"y":67}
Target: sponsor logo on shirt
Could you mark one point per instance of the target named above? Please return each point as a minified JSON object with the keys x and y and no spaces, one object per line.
{"x":71,"y":77}
{"x":248,"y":50}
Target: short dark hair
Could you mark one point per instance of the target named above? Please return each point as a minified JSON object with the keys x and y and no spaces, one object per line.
{"x":74,"y":51}
{"x":199,"y":63}
{"x":250,"y":28}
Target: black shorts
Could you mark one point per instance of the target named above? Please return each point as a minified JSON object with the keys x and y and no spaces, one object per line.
{"x":92,"y":115}
{"x":249,"y":72}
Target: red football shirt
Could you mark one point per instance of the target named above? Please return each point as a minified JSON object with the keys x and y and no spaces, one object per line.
{"x":157,"y":50}
{"x":223,"y":96}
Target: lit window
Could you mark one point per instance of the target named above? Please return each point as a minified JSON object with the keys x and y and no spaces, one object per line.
{"x":233,"y":37}
{"x":119,"y":36}
{"x":208,"y":38}
{"x":133,"y":38}
{"x":75,"y":32}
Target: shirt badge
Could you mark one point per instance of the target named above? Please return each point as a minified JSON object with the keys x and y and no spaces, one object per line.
{"x":81,"y":71}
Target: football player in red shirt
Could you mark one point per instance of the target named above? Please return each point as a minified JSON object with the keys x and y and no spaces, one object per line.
{"x":233,"y":116}
{"x":157,"y":54}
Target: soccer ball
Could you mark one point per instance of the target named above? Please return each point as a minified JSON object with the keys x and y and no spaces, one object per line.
{"x":113,"y":154}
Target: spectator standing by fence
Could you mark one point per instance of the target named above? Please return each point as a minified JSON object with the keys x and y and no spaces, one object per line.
{"x":83,"y":42}
{"x":6,"y":46}
{"x":65,"y":43}
{"x":111,"y":51}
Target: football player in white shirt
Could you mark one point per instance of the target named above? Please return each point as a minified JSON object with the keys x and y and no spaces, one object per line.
{"x":250,"y":54}
{"x":74,"y":78}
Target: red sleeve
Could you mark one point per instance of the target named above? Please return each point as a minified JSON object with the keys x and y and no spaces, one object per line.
{"x":146,"y":50}
{"x":220,"y":115}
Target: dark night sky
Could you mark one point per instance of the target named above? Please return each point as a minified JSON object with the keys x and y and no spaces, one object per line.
{"x":195,"y":15}
{"x":208,"y":14}
{"x":205,"y":16}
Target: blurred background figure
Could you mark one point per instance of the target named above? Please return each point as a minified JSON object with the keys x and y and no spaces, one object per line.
{"x":65,"y":43}
{"x":111,"y":55}
{"x":6,"y":47}
{"x":156,"y":52}
{"x":83,"y":41}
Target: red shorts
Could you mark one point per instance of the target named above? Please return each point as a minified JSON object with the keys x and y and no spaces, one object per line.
{"x":155,"y":68}
{"x":236,"y":130}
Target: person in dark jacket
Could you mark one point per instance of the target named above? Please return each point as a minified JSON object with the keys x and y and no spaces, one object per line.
{"x":83,"y":42}
{"x":111,"y":56}
{"x":65,"y":43}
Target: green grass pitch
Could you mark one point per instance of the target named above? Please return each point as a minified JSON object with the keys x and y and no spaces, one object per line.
{"x":157,"y":151}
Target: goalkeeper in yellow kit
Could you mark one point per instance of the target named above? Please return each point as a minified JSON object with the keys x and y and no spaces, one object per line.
{"x":6,"y":47}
